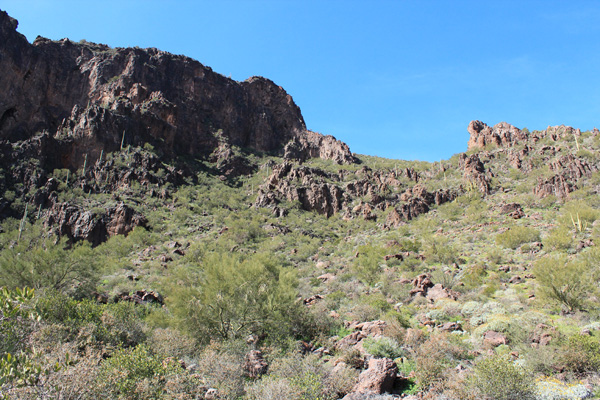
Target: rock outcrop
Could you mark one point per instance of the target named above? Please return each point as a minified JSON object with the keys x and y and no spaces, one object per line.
{"x":502,"y":134}
{"x":506,"y":135}
{"x":378,"y":378}
{"x":474,"y":172}
{"x":93,"y":99}
{"x":78,"y":224}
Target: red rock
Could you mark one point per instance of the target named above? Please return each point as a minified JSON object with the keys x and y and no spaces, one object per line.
{"x":494,"y":339}
{"x":378,"y":378}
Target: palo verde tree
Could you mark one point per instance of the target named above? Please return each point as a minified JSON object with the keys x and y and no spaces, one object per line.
{"x":230,"y":297}
{"x":37,"y":260}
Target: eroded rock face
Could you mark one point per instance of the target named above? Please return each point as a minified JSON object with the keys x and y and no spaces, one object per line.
{"x":557,"y":185}
{"x":323,"y":192}
{"x":502,"y":134}
{"x":378,"y":378}
{"x":475,"y":172}
{"x":78,"y":224}
{"x":94,"y":98}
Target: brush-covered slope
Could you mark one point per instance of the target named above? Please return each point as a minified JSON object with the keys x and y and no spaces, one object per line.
{"x":237,"y":273}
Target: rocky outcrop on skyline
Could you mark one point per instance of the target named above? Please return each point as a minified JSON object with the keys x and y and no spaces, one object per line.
{"x":92,"y":99}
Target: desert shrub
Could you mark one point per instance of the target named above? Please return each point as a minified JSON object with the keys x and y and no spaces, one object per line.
{"x":272,"y":388}
{"x":383,"y":347}
{"x":230,"y":297}
{"x":553,"y":389}
{"x":342,"y":379}
{"x":581,"y":354}
{"x":435,"y":359}
{"x":169,"y":342}
{"x":17,"y":318}
{"x":559,"y":238}
{"x":516,"y":236}
{"x":565,"y":282}
{"x":437,"y":249}
{"x":499,"y":378}
{"x":38,"y":262}
{"x":470,"y":308}
{"x":93,"y":324}
{"x":135,"y":373}
{"x":578,"y":215}
{"x":445,"y":277}
{"x":307,"y":376}
{"x":367,"y":265}
{"x":473,"y":275}
{"x":221,"y":366}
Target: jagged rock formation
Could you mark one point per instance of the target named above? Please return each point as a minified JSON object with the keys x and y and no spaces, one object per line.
{"x":94,"y":98}
{"x":507,"y":135}
{"x":66,"y":105}
{"x":474,"y":172}
{"x":77,"y":224}
{"x":327,"y":194}
{"x":501,"y":134}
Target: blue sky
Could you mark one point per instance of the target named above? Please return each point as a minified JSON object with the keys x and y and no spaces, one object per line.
{"x":396,"y":79}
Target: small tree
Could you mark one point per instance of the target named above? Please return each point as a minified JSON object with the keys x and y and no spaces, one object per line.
{"x":366,"y":267}
{"x":231,"y":298}
{"x":38,"y":262}
{"x":564,"y":282}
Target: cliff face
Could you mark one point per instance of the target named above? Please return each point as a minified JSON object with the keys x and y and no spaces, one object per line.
{"x":92,"y":98}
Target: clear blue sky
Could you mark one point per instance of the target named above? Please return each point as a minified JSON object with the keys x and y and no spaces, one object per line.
{"x":397,"y":79}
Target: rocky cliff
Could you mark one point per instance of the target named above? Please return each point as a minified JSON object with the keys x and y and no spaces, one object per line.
{"x":91,"y":98}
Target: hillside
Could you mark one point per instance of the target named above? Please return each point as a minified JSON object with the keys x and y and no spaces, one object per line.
{"x":187,"y":237}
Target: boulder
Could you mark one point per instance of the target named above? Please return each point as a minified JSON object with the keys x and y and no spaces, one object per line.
{"x":378,"y":378}
{"x":494,"y":339}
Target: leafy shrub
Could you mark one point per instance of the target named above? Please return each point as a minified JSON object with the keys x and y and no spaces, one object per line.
{"x":499,"y":378}
{"x":135,"y":374}
{"x":559,"y":238}
{"x":90,"y":323}
{"x":383,"y":347}
{"x":16,"y":318}
{"x":307,"y":378}
{"x":438,"y":249}
{"x":221,"y":367}
{"x":230,"y":297}
{"x":39,"y":262}
{"x":578,"y":215}
{"x":581,"y":354}
{"x":516,"y":236}
{"x":565,"y":282}
{"x":434,"y":359}
{"x":367,"y":266}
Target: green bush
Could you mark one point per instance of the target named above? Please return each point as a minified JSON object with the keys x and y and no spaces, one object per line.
{"x":16,"y":318}
{"x":38,"y":262}
{"x":499,"y":378}
{"x":91,"y":323}
{"x":437,"y":249}
{"x":516,"y":236}
{"x":578,"y":215}
{"x":135,"y":374}
{"x":367,"y":266}
{"x":230,"y":297}
{"x":565,"y":282}
{"x":581,"y":354}
{"x":383,"y":347}
{"x":559,"y":238}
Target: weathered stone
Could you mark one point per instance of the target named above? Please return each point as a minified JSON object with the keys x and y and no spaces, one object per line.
{"x":378,"y":378}
{"x":494,"y":339}
{"x":255,"y":364}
